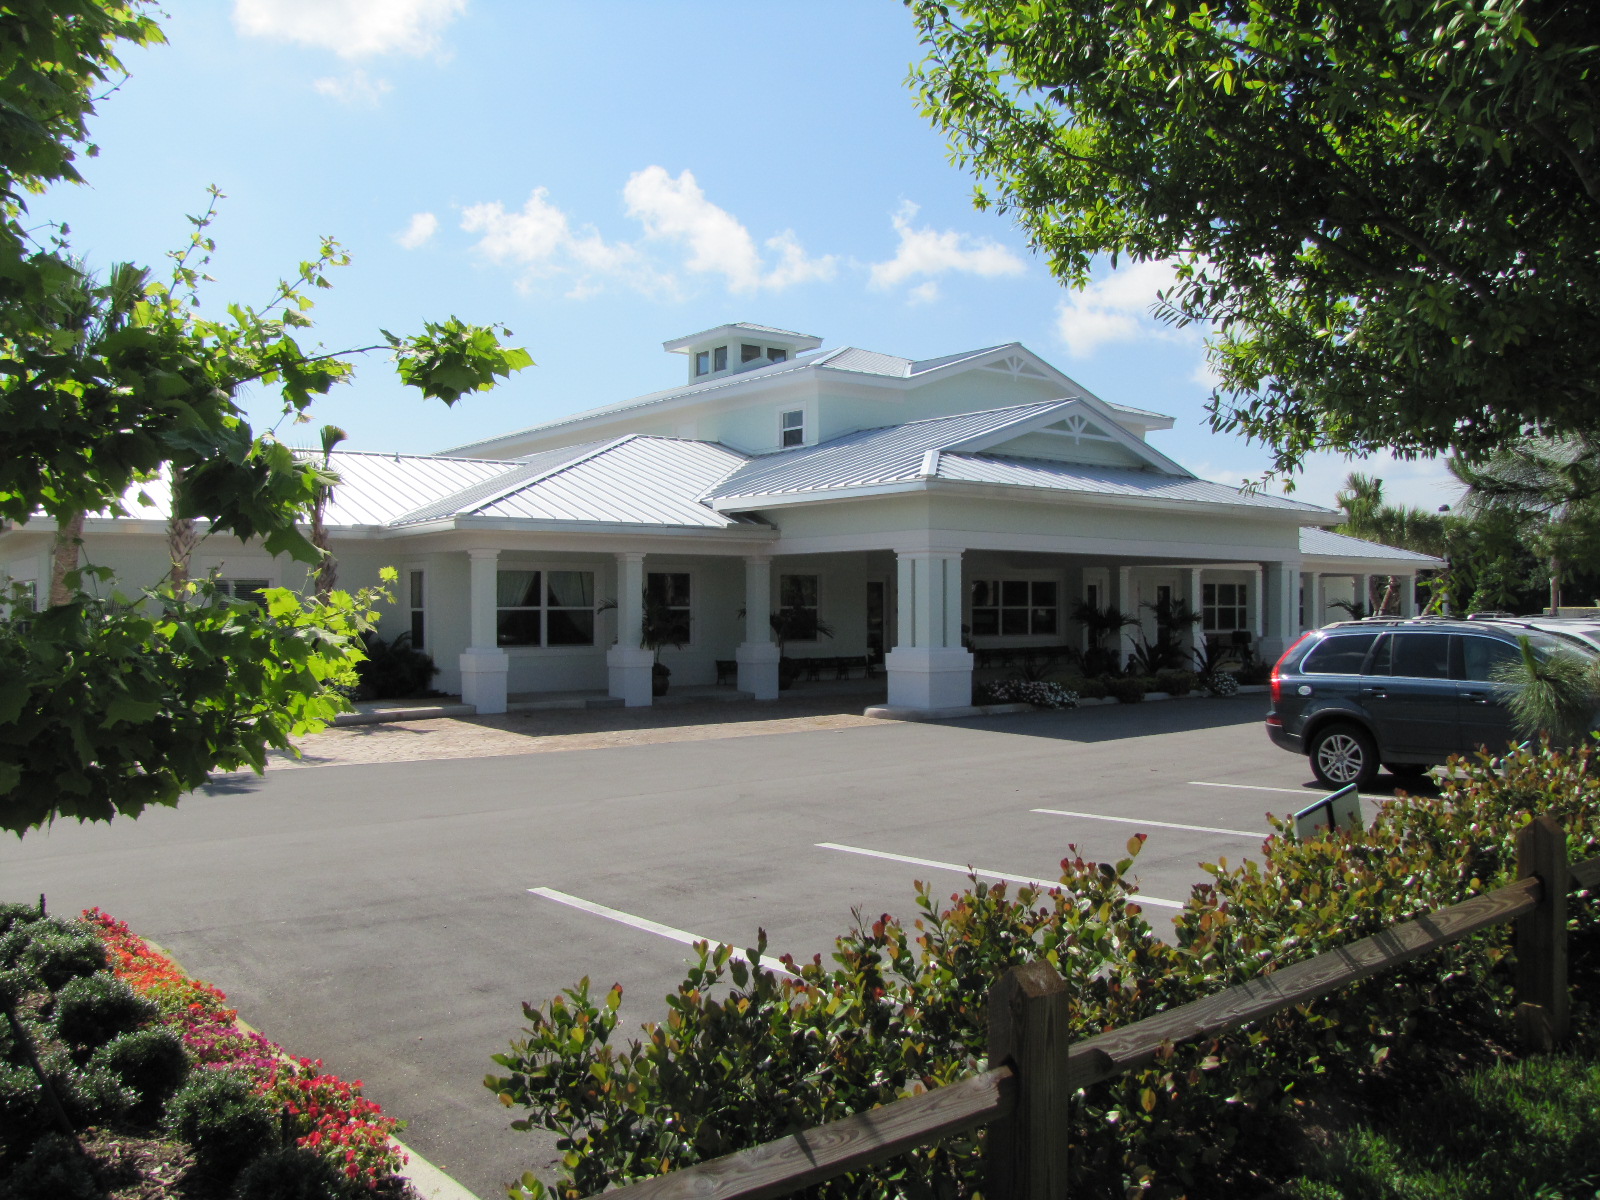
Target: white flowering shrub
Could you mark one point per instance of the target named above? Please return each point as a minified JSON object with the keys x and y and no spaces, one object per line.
{"x":1220,"y":683}
{"x":1028,"y":691}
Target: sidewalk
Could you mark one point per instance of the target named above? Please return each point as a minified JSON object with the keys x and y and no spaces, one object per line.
{"x":409,"y":731}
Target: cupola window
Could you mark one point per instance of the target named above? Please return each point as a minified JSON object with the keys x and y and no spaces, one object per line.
{"x":749,"y":353}
{"x":777,"y":354}
{"x":702,"y":363}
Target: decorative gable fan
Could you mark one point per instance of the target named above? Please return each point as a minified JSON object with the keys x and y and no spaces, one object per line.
{"x":1078,"y":427}
{"x":1014,"y":364}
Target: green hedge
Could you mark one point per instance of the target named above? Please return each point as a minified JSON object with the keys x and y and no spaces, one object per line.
{"x":746,"y":1056}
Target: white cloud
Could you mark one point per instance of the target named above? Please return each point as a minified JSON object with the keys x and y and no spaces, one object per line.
{"x":923,"y":293}
{"x":1116,"y":308}
{"x":676,"y":216}
{"x":930,"y":252}
{"x":677,"y":210}
{"x":353,"y":87}
{"x":350,"y":28}
{"x":541,"y":240}
{"x":423,"y":226}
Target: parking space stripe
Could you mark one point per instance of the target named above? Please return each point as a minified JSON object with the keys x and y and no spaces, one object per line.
{"x":649,"y":926}
{"x":969,"y":870}
{"x":1256,"y":787}
{"x":1061,"y":812}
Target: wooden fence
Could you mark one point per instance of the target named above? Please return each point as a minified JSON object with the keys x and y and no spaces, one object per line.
{"x":1024,"y":1097}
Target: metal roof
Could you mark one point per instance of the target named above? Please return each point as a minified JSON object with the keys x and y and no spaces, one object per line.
{"x":890,"y":454}
{"x":630,"y":481}
{"x":1092,"y":479}
{"x":1324,"y":543}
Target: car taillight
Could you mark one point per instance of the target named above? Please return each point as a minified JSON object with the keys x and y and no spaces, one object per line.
{"x":1276,"y":678}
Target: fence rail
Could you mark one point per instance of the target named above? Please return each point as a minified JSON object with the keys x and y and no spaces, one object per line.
{"x":1024,"y":1099}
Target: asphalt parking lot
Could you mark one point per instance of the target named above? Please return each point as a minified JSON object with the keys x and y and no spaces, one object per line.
{"x":391,"y":918}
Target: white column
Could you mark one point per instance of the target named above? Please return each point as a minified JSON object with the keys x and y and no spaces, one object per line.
{"x":483,"y":664}
{"x":1407,"y":586}
{"x":1194,"y":596}
{"x":1125,"y":602}
{"x":1280,"y":607}
{"x":1319,"y":601}
{"x":758,"y":654}
{"x":1363,"y":592}
{"x":929,"y":668}
{"x":1258,"y":608}
{"x":628,"y":664}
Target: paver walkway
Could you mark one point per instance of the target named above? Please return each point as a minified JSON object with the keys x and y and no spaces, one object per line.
{"x":567,"y":729}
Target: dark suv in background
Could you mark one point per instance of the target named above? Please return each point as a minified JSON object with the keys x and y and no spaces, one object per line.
{"x":1406,"y":693}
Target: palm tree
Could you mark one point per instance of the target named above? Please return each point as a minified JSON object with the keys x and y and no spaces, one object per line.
{"x":81,"y":316}
{"x":328,"y":569}
{"x":1552,"y":485}
{"x":1368,"y":515}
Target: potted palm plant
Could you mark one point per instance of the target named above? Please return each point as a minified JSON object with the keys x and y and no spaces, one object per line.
{"x":660,"y":627}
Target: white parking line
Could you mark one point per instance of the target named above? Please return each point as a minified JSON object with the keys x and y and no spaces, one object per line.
{"x":1003,"y":875}
{"x":1306,"y":792}
{"x":1061,"y":812}
{"x":648,"y":926}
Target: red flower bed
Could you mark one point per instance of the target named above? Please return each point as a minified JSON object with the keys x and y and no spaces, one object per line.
{"x":325,"y":1113}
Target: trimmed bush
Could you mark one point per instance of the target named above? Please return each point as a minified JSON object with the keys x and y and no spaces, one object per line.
{"x":221,"y":1115}
{"x":53,"y":951}
{"x":22,"y":1111}
{"x":394,"y":669}
{"x":1027,"y":691}
{"x":291,"y":1174}
{"x":91,"y":1095}
{"x":150,"y":1061}
{"x":1126,"y":689}
{"x":92,"y":1010}
{"x":53,"y":1170}
{"x":17,"y":914}
{"x":1090,"y":689}
{"x":1175,"y":682}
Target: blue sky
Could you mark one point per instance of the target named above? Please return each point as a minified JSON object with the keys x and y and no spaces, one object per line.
{"x":602,"y":177}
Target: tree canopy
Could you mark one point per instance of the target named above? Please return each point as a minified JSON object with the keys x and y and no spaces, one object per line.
{"x":1389,"y":210}
{"x":112,"y":701}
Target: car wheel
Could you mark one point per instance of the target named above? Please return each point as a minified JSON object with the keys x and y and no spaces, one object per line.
{"x":1408,"y":770}
{"x":1342,"y":755}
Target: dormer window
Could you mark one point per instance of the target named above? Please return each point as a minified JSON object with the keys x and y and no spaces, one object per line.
{"x":792,"y":428}
{"x":702,"y":363}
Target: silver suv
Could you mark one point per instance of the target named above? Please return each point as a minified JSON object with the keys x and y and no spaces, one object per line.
{"x":1404,"y":693}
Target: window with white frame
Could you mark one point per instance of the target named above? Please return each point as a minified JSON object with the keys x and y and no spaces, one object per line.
{"x":798,"y":602}
{"x":544,"y":608}
{"x":777,"y":354}
{"x":243,"y":589}
{"x":749,"y":353}
{"x":670,"y":591}
{"x":417,"y":595}
{"x":719,"y":359}
{"x":1224,"y":607}
{"x":792,"y":428}
{"x":702,"y":362}
{"x":1015,"y":607}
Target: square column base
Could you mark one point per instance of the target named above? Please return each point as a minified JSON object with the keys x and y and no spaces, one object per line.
{"x":929,"y":678}
{"x":631,"y":672}
{"x":483,"y":679}
{"x":758,"y":669}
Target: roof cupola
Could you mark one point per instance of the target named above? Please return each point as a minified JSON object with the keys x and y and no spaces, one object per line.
{"x":741,"y":346}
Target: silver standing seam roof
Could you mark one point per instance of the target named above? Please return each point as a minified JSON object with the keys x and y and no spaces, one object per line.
{"x":1325,"y":543}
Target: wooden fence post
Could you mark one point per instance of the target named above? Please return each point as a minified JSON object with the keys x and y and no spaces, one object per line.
{"x":1541,"y":937}
{"x":1025,"y":1157}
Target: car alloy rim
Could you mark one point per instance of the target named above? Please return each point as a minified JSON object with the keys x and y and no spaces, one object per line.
{"x":1340,"y":757}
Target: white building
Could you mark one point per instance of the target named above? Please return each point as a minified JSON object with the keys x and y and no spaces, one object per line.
{"x":900,"y":501}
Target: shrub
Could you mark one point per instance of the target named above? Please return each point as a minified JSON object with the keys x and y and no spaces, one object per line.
{"x":1090,"y":689}
{"x":1175,"y":682}
{"x":1220,"y":683}
{"x":1127,"y":689}
{"x":229,"y":1124}
{"x":150,"y":1061}
{"x":91,"y":1095}
{"x":292,"y":1174}
{"x":22,"y":1111}
{"x":747,"y":1055}
{"x":1029,"y":691}
{"x":53,"y":951}
{"x":17,"y":914}
{"x":93,"y":1009}
{"x":394,"y":669}
{"x":53,"y":1170}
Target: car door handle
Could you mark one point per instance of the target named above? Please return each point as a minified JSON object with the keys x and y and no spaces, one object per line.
{"x":1476,"y":697}
{"x":1379,"y":693}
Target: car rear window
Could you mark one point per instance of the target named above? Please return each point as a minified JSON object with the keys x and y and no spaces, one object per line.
{"x":1480,"y":656}
{"x":1339,"y":654}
